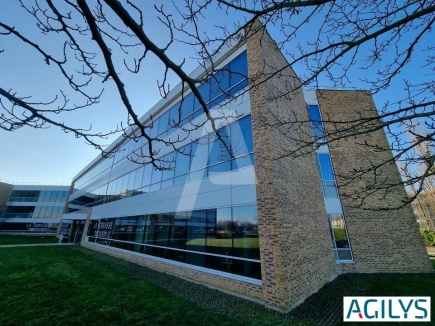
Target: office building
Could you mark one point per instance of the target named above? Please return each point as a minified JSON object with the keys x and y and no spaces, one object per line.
{"x":31,"y":208}
{"x":235,"y":213}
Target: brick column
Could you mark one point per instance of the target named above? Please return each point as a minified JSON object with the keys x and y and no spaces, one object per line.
{"x":382,"y":241}
{"x":295,"y":241}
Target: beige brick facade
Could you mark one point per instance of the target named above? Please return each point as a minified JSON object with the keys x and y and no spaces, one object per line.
{"x":382,"y":241}
{"x":295,"y":241}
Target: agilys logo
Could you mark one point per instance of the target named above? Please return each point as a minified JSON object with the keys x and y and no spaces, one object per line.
{"x":367,"y":309}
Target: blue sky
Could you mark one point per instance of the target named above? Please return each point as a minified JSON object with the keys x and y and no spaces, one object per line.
{"x":50,"y":155}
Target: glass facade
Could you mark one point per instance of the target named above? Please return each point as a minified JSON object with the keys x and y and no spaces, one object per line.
{"x":220,"y":238}
{"x":38,"y":196}
{"x":35,"y":210}
{"x":337,"y":224}
{"x":201,"y":158}
{"x":224,"y":239}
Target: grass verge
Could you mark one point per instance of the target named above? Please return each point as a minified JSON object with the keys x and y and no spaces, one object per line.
{"x":62,"y":286}
{"x":73,"y":285}
{"x":25,"y":239}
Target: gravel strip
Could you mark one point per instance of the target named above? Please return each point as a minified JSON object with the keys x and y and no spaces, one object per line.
{"x":321,"y":308}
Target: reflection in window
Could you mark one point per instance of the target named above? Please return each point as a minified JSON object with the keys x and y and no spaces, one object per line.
{"x":340,"y":238}
{"x":325,"y":167}
{"x":229,"y":234}
{"x":224,"y":83}
{"x":220,"y":148}
{"x":199,"y":154}
{"x":245,"y":237}
{"x":327,"y":175}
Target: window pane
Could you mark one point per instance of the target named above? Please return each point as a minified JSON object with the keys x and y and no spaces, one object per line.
{"x":48,"y":212}
{"x":162,"y":228}
{"x":239,"y":69}
{"x":199,"y":174}
{"x":118,"y":186}
{"x":124,"y":185}
{"x":220,"y":241}
{"x":187,"y":106}
{"x":138,"y":178}
{"x":174,"y":114}
{"x":325,"y":167}
{"x":318,"y":132}
{"x":245,"y":239}
{"x":242,"y":162}
{"x":196,"y":225}
{"x":241,"y":136}
{"x":164,"y":122}
{"x":204,"y":90}
{"x":199,"y":154}
{"x":41,"y":196}
{"x":329,"y":189}
{"x":339,"y":232}
{"x":182,"y":179}
{"x":344,"y":254}
{"x":239,"y":87}
{"x":42,"y":211}
{"x":155,"y":128}
{"x":183,"y":160}
{"x":147,"y":174}
{"x":219,"y":83}
{"x":314,"y":113}
{"x":36,"y":212}
{"x":169,"y":164}
{"x":157,"y":176}
{"x":220,"y":149}
{"x":219,"y":168}
{"x":130,"y":185}
{"x":167,"y":183}
{"x":155,"y":187}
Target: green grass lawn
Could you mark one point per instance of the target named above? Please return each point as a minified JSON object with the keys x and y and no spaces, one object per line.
{"x":25,"y":239}
{"x":63,"y":286}
{"x":75,"y":286}
{"x":251,"y":243}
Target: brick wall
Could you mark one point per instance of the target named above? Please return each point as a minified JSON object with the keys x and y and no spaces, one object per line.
{"x":295,"y":241}
{"x":382,"y":241}
{"x":234,"y":286}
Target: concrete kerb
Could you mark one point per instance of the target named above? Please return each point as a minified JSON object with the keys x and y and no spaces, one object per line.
{"x":39,"y":245}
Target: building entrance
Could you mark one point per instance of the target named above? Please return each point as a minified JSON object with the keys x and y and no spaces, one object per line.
{"x":72,"y":230}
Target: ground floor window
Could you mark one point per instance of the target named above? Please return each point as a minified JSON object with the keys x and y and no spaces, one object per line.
{"x":224,"y":239}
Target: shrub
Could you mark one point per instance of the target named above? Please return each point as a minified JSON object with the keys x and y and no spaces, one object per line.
{"x":428,"y":237}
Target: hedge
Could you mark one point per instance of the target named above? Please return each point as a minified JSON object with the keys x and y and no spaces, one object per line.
{"x":428,"y":237}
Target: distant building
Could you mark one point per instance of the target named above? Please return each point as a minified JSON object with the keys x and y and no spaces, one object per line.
{"x":273,"y":230}
{"x":424,"y":209}
{"x":32,"y":208}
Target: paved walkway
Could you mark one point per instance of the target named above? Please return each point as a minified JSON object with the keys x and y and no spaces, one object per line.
{"x":38,"y":245}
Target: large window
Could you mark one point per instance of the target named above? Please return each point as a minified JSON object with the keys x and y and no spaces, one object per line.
{"x":337,"y":224}
{"x":204,"y":157}
{"x":224,"y":239}
{"x":24,"y":195}
{"x":224,"y":84}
